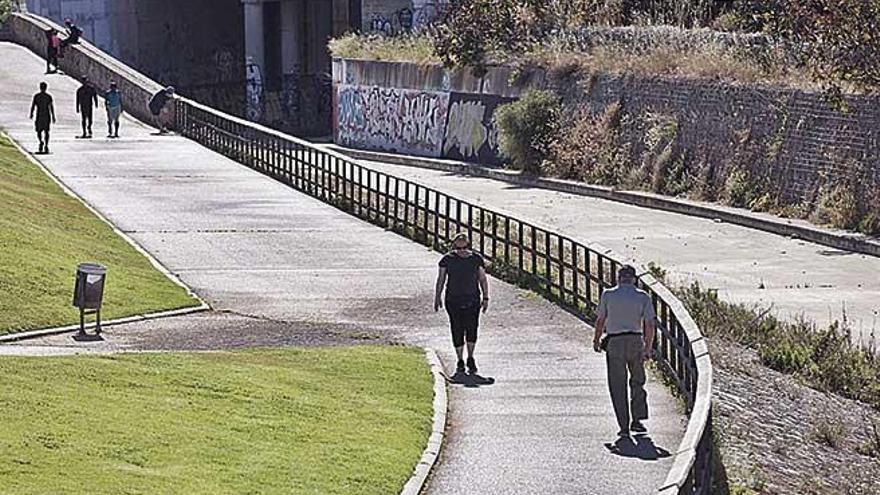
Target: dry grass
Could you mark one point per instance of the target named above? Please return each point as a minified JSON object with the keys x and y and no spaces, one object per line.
{"x":701,"y":62}
{"x":415,"y":48}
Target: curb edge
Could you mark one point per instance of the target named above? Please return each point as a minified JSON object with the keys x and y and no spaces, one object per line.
{"x":438,"y":429}
{"x":845,"y":241}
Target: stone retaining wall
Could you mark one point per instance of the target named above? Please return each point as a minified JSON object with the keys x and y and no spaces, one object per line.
{"x":794,"y":139}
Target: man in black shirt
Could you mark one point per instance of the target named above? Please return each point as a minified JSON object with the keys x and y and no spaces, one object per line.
{"x":45,"y":113}
{"x":86,"y":96}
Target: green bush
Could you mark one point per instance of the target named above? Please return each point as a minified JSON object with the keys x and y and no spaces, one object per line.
{"x":527,"y":128}
{"x":5,"y":9}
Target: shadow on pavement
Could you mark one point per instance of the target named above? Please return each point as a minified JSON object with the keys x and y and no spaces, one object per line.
{"x":470,"y":381}
{"x":87,"y":337}
{"x":640,"y":446}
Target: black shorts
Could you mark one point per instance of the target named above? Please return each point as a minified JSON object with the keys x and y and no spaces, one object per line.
{"x":464,"y":319}
{"x":42,"y":125}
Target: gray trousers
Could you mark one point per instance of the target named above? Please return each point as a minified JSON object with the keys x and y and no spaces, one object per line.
{"x":625,"y":364}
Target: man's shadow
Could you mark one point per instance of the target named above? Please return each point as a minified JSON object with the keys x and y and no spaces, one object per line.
{"x":639,"y":446}
{"x":470,"y":380}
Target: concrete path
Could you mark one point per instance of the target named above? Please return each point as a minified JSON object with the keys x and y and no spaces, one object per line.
{"x":260,"y":251}
{"x":747,"y":265}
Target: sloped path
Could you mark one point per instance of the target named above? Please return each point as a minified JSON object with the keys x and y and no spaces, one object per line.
{"x":296,"y":269}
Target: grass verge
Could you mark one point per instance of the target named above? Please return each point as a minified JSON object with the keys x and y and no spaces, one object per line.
{"x":44,"y":234}
{"x":334,"y":420}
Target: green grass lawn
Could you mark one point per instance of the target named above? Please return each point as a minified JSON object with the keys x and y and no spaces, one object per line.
{"x":44,"y":234}
{"x":314,"y":421}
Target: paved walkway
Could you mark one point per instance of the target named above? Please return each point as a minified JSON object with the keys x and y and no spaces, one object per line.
{"x":266,"y":254}
{"x":747,"y":265}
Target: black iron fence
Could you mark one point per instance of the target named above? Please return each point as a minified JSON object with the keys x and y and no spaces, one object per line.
{"x":569,"y":272}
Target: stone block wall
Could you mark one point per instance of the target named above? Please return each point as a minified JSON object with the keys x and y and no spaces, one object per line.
{"x":794,"y":139}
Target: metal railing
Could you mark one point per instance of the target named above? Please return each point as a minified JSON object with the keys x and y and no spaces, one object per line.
{"x":569,"y":272}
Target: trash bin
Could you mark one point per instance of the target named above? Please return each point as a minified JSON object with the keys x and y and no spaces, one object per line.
{"x":88,"y":293}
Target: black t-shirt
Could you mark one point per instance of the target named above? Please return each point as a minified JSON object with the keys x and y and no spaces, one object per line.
{"x":463,"y":275}
{"x":86,"y":96}
{"x":43,"y":102}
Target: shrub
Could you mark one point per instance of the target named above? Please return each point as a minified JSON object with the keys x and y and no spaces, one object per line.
{"x":5,"y":9}
{"x":838,"y":206}
{"x":591,"y":148}
{"x":830,"y":434}
{"x":526,"y":129}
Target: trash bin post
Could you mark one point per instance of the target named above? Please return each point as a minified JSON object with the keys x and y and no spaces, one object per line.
{"x":88,"y":293}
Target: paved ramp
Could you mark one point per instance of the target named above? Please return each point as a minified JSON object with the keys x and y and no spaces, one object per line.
{"x":252,"y":246}
{"x":795,"y":277}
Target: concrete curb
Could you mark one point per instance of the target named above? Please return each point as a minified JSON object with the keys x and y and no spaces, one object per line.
{"x":202,"y":306}
{"x":846,"y":241}
{"x":438,"y":430}
{"x":33,"y":334}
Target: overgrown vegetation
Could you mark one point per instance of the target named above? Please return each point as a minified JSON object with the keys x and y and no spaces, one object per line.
{"x":44,"y":234}
{"x":527,"y":128}
{"x":329,"y":421}
{"x":5,"y":9}
{"x":826,"y":358}
{"x":643,"y":150}
{"x":410,"y":48}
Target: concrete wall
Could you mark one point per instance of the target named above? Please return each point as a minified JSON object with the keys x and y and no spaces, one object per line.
{"x":85,"y":60}
{"x":421,"y":110}
{"x":795,"y":139}
{"x":196,"y":46}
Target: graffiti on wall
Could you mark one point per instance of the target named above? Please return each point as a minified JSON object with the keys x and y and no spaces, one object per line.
{"x":391,"y":119}
{"x":413,"y":18}
{"x":254,"y":78}
{"x":471,"y":134}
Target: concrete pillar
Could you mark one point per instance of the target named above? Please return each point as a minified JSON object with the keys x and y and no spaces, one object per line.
{"x":255,"y":57}
{"x":253,"y":31}
{"x":291,"y":35}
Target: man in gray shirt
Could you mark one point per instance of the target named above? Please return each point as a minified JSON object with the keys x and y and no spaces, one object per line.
{"x":626,"y":317}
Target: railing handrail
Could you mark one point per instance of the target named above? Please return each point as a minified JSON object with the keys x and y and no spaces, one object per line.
{"x":690,"y":472}
{"x":683,"y":356}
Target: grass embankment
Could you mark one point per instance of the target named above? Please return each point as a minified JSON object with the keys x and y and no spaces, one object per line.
{"x":44,"y":234}
{"x":340,"y":420}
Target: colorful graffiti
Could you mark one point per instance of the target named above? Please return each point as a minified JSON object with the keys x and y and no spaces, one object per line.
{"x":417,"y":16}
{"x":404,"y":121}
{"x":470,"y":131}
{"x":465,"y":130}
{"x":254,"y":91}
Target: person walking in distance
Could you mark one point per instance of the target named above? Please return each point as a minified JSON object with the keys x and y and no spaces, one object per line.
{"x":53,"y":48}
{"x":86,"y":96}
{"x":463,"y":273}
{"x":113,"y":104}
{"x":44,"y":110}
{"x":627,"y":320}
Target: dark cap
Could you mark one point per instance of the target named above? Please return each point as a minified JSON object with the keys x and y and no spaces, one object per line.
{"x":626,"y":272}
